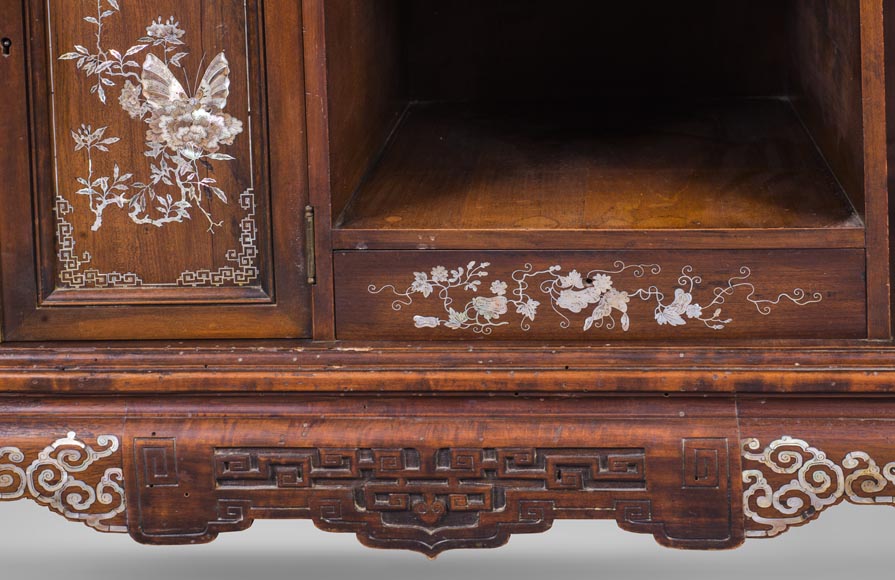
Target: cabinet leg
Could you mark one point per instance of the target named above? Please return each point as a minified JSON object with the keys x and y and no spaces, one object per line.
{"x":76,"y":473}
{"x":802,"y":457}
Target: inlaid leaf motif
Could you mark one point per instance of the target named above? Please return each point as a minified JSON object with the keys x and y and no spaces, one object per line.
{"x":185,"y":132}
{"x":574,"y":293}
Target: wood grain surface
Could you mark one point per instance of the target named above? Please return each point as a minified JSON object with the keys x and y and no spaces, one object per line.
{"x":156,"y":254}
{"x":628,"y":167}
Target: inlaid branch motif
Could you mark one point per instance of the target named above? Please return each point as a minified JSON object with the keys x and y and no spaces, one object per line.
{"x":185,"y":130}
{"x":570,"y":293}
{"x":55,"y":478}
{"x":789,"y":482}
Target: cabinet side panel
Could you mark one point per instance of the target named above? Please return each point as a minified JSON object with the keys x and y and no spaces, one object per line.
{"x":875,"y":168}
{"x":363,"y":57}
{"x":825,"y":47}
{"x":838,"y":88}
{"x":889,"y":28}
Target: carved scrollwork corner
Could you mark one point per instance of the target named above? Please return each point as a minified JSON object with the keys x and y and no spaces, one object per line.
{"x":77,"y":480}
{"x":789,"y":482}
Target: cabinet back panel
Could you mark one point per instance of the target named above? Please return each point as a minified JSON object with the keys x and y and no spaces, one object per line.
{"x":529,"y":49}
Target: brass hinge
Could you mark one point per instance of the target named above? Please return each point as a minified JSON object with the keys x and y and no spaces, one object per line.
{"x":310,"y":245}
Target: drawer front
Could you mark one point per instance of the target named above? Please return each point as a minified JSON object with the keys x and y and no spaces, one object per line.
{"x":586,"y":296}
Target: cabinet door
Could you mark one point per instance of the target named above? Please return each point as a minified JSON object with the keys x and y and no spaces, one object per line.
{"x":155,"y":170}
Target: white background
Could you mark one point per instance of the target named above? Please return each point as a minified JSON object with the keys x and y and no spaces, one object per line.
{"x":848,"y":542}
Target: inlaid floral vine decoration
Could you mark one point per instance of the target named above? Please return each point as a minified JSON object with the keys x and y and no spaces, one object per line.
{"x":185,"y":129}
{"x":571,"y":293}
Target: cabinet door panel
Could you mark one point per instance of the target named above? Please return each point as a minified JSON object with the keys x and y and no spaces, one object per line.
{"x":162,"y":206}
{"x":155,"y":180}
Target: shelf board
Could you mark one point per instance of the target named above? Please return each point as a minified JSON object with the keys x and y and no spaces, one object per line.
{"x":736,"y":173}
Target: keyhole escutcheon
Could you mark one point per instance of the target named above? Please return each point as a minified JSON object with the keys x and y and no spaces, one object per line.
{"x":6,"y":45}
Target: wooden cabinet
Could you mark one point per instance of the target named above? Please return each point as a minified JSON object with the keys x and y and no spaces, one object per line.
{"x":438,"y":272}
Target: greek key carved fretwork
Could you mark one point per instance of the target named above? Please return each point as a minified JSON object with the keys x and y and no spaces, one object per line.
{"x":431,"y":501}
{"x":158,"y":458}
{"x":704,"y":461}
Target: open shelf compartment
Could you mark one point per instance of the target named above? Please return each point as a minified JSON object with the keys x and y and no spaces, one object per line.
{"x":612,"y":168}
{"x":520,"y":125}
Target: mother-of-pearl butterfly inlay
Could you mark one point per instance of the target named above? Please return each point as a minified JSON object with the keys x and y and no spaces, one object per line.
{"x":185,"y":132}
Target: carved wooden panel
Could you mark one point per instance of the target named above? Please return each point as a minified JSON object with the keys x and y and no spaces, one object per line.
{"x":490,"y":476}
{"x":159,"y":460}
{"x":789,"y":482}
{"x":705,"y":462}
{"x":433,"y":500}
{"x":441,"y":474}
{"x":157,"y":175}
{"x":390,"y":495}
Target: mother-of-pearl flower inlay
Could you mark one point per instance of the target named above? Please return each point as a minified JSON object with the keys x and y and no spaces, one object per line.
{"x":185,"y":132}
{"x":570,"y":293}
